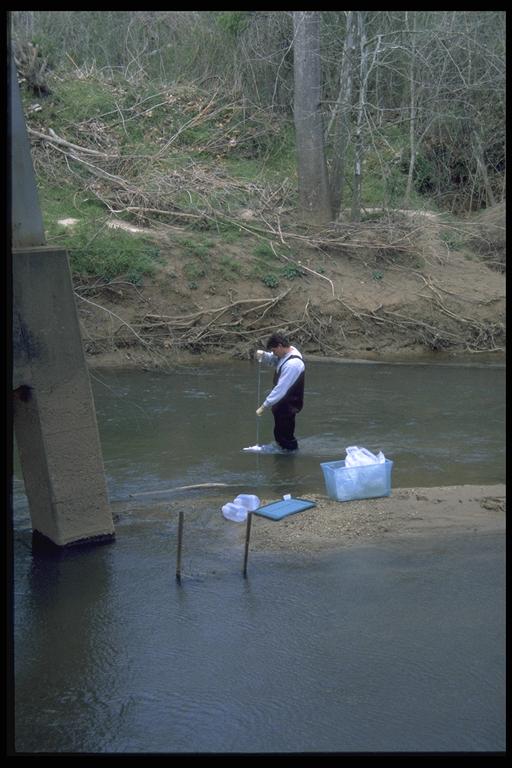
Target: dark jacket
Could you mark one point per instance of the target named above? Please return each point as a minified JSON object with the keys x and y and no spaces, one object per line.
{"x":294,"y":398}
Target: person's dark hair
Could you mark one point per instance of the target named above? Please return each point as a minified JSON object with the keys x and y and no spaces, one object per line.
{"x":276,"y":339}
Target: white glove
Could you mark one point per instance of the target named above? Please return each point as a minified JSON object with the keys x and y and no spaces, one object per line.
{"x":260,"y":410}
{"x":259,"y":355}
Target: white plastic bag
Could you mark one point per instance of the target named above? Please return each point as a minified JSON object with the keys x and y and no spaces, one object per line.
{"x":360,"y":457}
{"x":234,"y":512}
{"x":237,"y":510}
{"x":359,"y":484}
{"x":248,"y":500}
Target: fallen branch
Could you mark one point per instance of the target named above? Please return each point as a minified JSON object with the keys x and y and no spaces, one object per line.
{"x":182,"y":488}
{"x":220,"y":310}
{"x":53,"y":138}
{"x":101,"y":173}
{"x":300,"y":266}
{"x":113,"y":314}
{"x":143,"y":209}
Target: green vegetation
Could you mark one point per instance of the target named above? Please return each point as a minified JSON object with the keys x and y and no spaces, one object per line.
{"x":265,"y":267}
{"x":264,"y":251}
{"x":63,"y":201}
{"x":270,"y":280}
{"x":230,"y":232}
{"x":194,"y":271}
{"x":453,"y":238}
{"x":233,"y":22}
{"x":200,"y":247}
{"x":79,"y":100}
{"x":229,"y":268}
{"x":290,"y":271}
{"x":108,"y":254}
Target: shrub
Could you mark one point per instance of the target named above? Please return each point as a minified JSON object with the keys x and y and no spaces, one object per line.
{"x":110,"y":254}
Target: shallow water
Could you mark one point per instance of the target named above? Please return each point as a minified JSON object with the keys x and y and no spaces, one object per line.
{"x":441,"y":425}
{"x":394,"y":647}
{"x":391,"y":648}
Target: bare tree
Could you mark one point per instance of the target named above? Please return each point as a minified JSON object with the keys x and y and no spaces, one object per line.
{"x":412,"y":108}
{"x":361,"y":107}
{"x":314,"y":193}
{"x":341,"y":115}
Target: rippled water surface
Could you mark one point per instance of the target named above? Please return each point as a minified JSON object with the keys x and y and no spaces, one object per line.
{"x":441,"y":425}
{"x":394,"y":647}
{"x":373,"y":649}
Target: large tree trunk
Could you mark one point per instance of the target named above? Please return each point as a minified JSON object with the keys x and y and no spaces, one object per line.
{"x":314,"y":194}
{"x":341,"y":116}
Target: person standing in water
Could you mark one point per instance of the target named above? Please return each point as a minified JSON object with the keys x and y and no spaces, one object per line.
{"x":287,"y":396}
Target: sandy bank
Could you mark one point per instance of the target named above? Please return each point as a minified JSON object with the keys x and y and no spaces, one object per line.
{"x":407,"y":512}
{"x":332,"y":525}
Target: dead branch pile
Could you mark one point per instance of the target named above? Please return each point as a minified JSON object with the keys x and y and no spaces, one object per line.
{"x":487,"y":237}
{"x":242,"y":321}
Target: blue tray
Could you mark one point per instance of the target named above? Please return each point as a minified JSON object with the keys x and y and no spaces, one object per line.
{"x":279,"y":509}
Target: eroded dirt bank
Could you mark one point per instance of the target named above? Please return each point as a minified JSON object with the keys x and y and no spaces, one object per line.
{"x":394,"y":288}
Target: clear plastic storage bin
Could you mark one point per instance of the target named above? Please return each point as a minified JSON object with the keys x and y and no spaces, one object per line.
{"x":366,"y":482}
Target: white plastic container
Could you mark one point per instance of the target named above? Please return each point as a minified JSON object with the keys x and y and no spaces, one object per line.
{"x":248,"y":501}
{"x":344,"y":483}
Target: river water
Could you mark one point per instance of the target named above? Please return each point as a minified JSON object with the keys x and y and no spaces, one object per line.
{"x":391,"y":647}
{"x":441,"y":425}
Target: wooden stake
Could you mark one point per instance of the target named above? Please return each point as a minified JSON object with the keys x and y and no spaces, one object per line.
{"x":247,"y":537}
{"x":180,"y":538}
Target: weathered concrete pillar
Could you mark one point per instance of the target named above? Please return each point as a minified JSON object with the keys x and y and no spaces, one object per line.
{"x":53,"y":408}
{"x":54,"y":416}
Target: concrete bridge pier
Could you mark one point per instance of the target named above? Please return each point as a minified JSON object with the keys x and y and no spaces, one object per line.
{"x":54,"y":416}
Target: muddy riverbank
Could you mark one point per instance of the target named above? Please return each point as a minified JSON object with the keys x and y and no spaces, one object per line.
{"x":386,"y":289}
